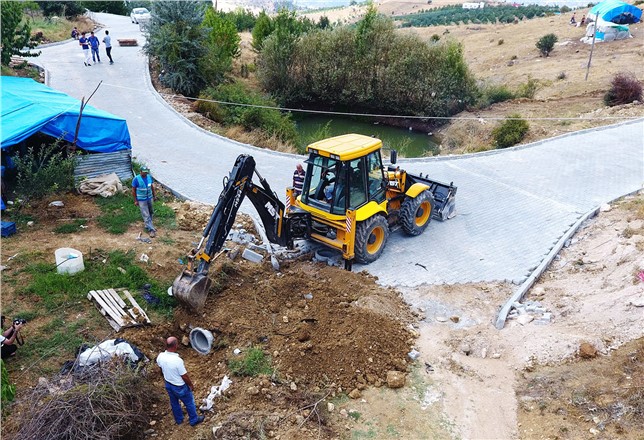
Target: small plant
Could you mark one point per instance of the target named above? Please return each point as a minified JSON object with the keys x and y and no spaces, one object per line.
{"x":8,"y":390}
{"x":514,"y":57}
{"x":624,"y":89}
{"x":355,"y":415}
{"x":528,"y":89}
{"x":70,"y":228}
{"x":500,"y":41}
{"x":565,"y":9}
{"x":510,"y":132}
{"x":546,"y":44}
{"x":434,"y":38}
{"x":561,"y":76}
{"x":253,"y":363}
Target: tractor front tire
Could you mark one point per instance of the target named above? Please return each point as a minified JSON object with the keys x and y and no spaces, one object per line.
{"x":416,"y":213}
{"x":371,"y":237}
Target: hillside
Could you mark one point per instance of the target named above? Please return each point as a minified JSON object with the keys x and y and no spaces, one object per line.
{"x":505,"y":54}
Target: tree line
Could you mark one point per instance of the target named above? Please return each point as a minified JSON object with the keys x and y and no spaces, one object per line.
{"x":447,"y":15}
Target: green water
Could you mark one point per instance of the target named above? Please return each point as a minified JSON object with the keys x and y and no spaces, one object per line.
{"x":408,"y":143}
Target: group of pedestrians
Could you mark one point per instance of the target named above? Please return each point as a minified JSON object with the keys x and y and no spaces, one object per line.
{"x":92,"y":43}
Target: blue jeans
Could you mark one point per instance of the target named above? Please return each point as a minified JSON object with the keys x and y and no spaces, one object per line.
{"x":147,"y":211}
{"x":184,"y":395}
{"x":95,"y":54}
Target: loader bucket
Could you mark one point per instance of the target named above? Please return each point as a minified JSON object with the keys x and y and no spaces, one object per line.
{"x":191,"y":289}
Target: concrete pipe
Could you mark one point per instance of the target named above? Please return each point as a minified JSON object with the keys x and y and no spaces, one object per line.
{"x":201,"y":340}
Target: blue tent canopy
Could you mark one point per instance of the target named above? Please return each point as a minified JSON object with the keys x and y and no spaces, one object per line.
{"x":29,"y":107}
{"x":615,"y":11}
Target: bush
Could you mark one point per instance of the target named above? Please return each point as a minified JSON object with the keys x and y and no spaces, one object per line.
{"x":625,"y":88}
{"x":528,"y":89}
{"x":368,"y":68}
{"x":44,"y":171}
{"x":564,"y":9}
{"x":562,"y":75}
{"x":546,"y":44}
{"x":493,"y":94}
{"x":253,"y":363}
{"x":271,"y":121}
{"x":510,"y":132}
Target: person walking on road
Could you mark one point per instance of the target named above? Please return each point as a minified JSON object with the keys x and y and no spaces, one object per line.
{"x":144,"y":195}
{"x":178,"y":383}
{"x":84,"y":44}
{"x":298,"y":179}
{"x":107,"y":40}
{"x":94,"y":43}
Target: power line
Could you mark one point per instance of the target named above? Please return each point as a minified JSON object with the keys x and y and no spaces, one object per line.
{"x":377,"y":115}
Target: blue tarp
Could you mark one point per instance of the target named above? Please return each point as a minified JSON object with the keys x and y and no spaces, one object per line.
{"x":616,"y":12}
{"x":29,"y":107}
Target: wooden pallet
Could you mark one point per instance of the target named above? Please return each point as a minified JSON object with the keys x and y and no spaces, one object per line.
{"x":128,"y":42}
{"x":117,"y":311}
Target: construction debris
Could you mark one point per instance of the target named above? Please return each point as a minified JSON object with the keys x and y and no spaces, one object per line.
{"x":117,"y":312}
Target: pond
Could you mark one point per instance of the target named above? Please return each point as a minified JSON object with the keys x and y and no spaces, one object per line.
{"x":408,"y":143}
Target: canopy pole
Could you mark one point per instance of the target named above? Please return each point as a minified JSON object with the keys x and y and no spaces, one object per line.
{"x":80,"y":115}
{"x":590,"y":57}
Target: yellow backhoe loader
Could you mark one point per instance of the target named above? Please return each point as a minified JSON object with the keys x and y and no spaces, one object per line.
{"x":350,"y":202}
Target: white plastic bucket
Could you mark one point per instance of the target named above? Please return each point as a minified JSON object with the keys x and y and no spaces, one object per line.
{"x":69,"y":261}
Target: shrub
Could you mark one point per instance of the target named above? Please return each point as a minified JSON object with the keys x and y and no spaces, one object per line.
{"x":271,"y":121}
{"x":434,"y":38}
{"x":624,"y":89}
{"x":510,"y":132}
{"x":562,"y":75}
{"x":500,"y":41}
{"x":546,"y":44}
{"x":493,"y":94}
{"x":44,"y":171}
{"x":564,"y":9}
{"x":528,"y":89}
{"x":253,"y":363}
{"x":8,"y":390}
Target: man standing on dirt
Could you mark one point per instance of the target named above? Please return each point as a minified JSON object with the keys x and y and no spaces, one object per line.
{"x":144,"y":195}
{"x":178,"y":383}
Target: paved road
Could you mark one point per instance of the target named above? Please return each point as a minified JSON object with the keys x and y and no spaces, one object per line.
{"x":512,"y":205}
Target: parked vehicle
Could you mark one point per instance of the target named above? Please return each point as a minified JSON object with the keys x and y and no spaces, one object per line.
{"x":140,"y":15}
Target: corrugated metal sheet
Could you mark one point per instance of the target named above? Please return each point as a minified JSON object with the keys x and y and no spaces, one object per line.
{"x":92,"y":165}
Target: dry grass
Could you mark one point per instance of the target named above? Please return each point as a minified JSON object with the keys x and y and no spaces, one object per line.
{"x":257,"y":138}
{"x":605,"y":393}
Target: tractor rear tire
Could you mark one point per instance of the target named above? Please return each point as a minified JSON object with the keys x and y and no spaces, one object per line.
{"x":416,"y":213}
{"x":371,"y":237}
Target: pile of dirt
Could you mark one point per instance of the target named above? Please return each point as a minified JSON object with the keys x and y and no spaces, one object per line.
{"x":326,"y":331}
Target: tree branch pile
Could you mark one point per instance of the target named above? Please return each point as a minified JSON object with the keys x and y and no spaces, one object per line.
{"x":107,"y":402}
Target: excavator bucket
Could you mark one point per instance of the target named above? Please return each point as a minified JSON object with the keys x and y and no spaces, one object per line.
{"x":191,"y":289}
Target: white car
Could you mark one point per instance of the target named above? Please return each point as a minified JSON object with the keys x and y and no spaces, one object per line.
{"x":139,"y":15}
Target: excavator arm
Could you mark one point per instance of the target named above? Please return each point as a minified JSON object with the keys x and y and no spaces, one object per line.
{"x":192,"y":285}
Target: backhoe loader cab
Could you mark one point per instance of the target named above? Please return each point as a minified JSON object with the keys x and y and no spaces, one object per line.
{"x":355,"y":202}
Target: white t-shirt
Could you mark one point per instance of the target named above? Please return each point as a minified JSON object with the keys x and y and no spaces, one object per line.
{"x":172,"y":366}
{"x":2,"y":339}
